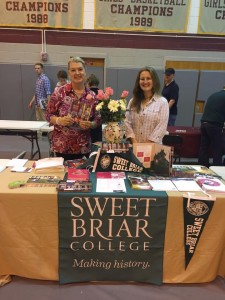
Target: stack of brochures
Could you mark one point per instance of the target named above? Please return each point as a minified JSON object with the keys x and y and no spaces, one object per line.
{"x":49,"y":165}
{"x":76,"y":180}
{"x":40,"y":181}
{"x":74,"y":186}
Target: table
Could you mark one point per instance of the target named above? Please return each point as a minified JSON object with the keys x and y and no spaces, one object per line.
{"x":191,"y":140}
{"x":26,"y":129}
{"x":48,"y":129}
{"x":29,"y":235}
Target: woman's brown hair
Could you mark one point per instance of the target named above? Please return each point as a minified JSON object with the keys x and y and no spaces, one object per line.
{"x":138,"y":94}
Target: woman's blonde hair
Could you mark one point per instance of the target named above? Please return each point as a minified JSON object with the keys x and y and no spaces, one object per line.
{"x":77,"y":60}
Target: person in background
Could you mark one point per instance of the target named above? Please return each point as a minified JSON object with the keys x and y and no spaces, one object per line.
{"x":93,"y":83}
{"x":212,"y":123}
{"x":171,"y":93}
{"x":62,"y":78}
{"x":42,"y":93}
{"x":147,"y":112}
{"x":71,"y":110}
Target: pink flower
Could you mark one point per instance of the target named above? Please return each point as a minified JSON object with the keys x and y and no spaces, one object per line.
{"x":106,"y":96}
{"x":100,"y":95}
{"x":124,"y":94}
{"x":109,"y":91}
{"x":89,"y":97}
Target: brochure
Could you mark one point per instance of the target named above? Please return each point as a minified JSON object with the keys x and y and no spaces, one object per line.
{"x":17,"y":162}
{"x":43,"y":103}
{"x":40,"y":181}
{"x":105,"y":185}
{"x":74,"y":186}
{"x":21,"y":169}
{"x":139,"y":182}
{"x":111,"y":175}
{"x":162,"y":185}
{"x":77,"y":174}
{"x":211,"y":184}
{"x":186,"y":185}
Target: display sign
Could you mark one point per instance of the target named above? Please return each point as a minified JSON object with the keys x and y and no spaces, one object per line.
{"x":111,"y":237}
{"x":197,"y":210}
{"x":212,"y":17}
{"x":42,"y":14}
{"x":136,"y":15}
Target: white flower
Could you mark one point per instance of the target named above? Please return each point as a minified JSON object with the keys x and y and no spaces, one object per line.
{"x":122,"y":104}
{"x":99,"y":106}
{"x":113,"y":105}
{"x":111,"y":110}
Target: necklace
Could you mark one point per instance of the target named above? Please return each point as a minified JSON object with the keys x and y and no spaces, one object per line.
{"x":79,"y":92}
{"x":145,"y":102}
{"x":148,"y":98}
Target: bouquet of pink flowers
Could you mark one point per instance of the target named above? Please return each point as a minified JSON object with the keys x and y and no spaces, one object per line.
{"x":111,"y":110}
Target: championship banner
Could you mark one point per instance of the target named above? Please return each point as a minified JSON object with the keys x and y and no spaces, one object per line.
{"x":136,"y":15}
{"x":111,"y":238}
{"x":196,"y":213}
{"x":212,"y":17}
{"x":42,"y":14}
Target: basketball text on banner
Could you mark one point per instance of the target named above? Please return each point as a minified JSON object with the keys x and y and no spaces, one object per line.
{"x":158,"y":15}
{"x":197,"y":210}
{"x":212,"y":18}
{"x":42,"y":14}
{"x":111,"y":237}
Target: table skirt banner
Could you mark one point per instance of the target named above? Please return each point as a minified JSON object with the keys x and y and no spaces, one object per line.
{"x":111,"y":237}
{"x":197,"y":210}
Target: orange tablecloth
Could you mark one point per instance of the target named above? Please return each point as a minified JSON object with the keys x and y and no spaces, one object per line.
{"x":29,"y":236}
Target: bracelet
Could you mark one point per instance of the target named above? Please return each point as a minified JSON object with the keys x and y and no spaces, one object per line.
{"x":57,"y":121}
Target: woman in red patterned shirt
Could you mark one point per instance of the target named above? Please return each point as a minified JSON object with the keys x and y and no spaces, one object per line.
{"x":71,"y":110}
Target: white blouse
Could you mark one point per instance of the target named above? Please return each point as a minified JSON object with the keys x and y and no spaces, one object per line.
{"x":150,"y":124}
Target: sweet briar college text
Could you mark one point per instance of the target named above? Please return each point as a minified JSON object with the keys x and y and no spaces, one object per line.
{"x":123,"y":219}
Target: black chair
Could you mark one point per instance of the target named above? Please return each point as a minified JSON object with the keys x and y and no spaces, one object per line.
{"x":174,"y":141}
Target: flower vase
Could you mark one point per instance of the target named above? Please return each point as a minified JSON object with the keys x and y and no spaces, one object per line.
{"x":113,"y":132}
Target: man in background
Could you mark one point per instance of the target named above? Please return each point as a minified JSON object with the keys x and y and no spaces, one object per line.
{"x":212,"y":123}
{"x":42,"y":93}
{"x":171,"y":93}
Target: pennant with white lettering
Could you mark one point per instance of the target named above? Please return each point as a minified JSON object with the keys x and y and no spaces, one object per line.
{"x":196,"y":213}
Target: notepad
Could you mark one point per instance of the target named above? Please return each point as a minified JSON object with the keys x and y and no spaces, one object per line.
{"x":17,"y":162}
{"x":110,"y":185}
{"x":21,"y":169}
{"x":186,"y":185}
{"x":162,"y":185}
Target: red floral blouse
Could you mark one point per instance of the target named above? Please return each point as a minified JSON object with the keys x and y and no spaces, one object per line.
{"x":63,"y":102}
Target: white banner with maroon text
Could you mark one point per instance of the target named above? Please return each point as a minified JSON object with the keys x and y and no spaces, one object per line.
{"x":212,"y":17}
{"x":146,"y":15}
{"x":42,"y":14}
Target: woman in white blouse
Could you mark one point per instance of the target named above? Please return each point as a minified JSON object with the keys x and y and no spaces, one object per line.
{"x":147,"y":112}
